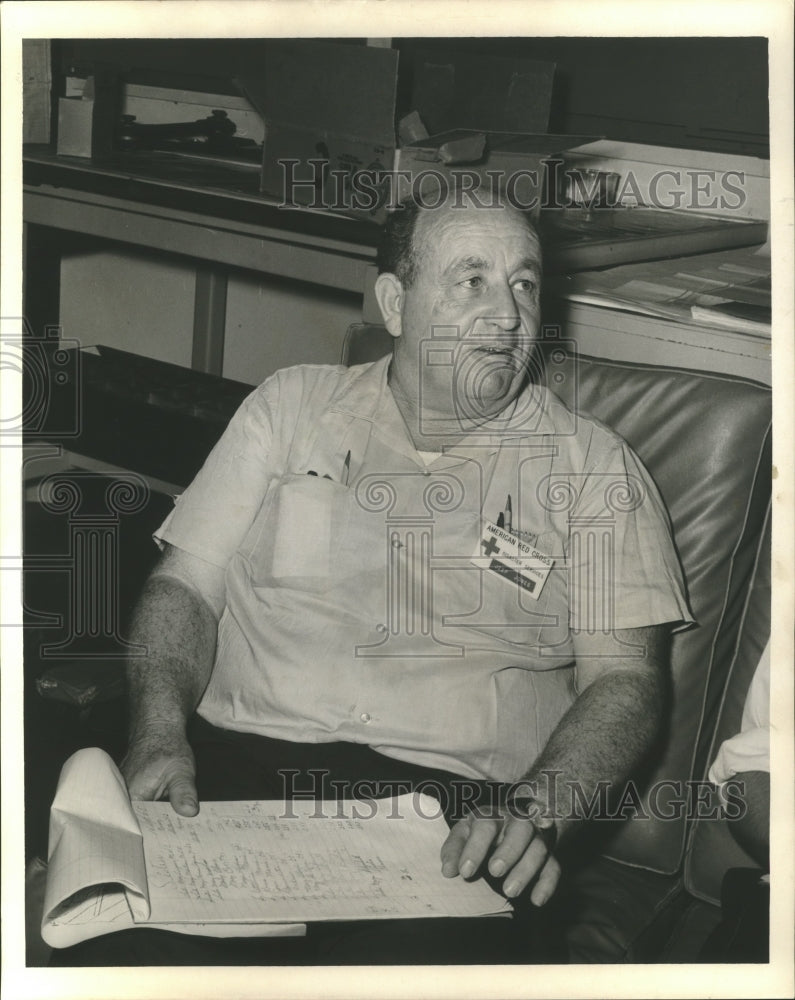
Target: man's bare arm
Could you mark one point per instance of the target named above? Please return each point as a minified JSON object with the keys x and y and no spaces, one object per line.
{"x":603,"y":737}
{"x":622,"y":684}
{"x":177,"y":622}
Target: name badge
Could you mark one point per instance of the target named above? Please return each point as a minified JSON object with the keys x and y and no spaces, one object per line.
{"x":514,"y":560}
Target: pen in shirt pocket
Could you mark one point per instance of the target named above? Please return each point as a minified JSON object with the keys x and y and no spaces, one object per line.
{"x":505,"y":521}
{"x":505,"y":516}
{"x":346,"y":471}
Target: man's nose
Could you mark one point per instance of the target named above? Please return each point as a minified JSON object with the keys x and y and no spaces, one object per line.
{"x":503,"y":311}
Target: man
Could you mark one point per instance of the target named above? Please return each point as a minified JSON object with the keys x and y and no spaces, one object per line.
{"x":330,"y":593}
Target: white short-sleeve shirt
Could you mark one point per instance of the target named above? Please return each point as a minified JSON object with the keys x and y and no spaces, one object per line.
{"x":376,"y":598}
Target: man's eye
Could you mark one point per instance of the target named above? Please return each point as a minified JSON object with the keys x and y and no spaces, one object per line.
{"x":474,"y":282}
{"x":525,"y":285}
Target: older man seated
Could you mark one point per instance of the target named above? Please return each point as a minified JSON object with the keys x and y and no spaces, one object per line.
{"x":424,"y":569}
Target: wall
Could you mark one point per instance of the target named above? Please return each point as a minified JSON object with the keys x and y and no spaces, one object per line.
{"x":135,"y":302}
{"x":690,"y":93}
{"x":144,"y":303}
{"x":272,"y":324}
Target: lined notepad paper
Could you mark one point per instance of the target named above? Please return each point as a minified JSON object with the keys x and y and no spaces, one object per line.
{"x":242,"y":861}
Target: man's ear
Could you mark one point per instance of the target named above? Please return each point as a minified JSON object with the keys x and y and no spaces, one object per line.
{"x":389,"y":296}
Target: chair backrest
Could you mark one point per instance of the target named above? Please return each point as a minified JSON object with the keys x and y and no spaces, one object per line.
{"x":705,"y":439}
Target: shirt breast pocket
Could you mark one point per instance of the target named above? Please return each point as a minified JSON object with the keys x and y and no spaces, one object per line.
{"x":521,"y":608}
{"x":297,"y":533}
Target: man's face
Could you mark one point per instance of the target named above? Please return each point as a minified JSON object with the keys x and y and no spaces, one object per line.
{"x":469,"y":322}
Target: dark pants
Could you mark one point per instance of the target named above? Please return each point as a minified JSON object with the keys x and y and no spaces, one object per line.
{"x":238,"y":766}
{"x":743,"y":934}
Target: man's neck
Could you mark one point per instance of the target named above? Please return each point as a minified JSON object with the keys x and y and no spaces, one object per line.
{"x":419,"y":430}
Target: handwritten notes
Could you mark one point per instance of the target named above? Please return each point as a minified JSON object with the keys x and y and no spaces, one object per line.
{"x":239,"y":861}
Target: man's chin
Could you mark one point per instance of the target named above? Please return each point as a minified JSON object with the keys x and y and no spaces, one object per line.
{"x":494,"y":391}
{"x":497,"y":386}
{"x":477,"y":410}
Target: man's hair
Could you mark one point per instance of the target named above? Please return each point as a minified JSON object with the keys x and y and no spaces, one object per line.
{"x":398,"y":252}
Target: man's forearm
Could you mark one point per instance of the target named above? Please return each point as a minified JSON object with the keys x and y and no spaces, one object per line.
{"x":604,"y":736}
{"x":179,"y":632}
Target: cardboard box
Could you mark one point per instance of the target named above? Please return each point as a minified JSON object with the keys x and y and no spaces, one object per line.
{"x":87,"y":124}
{"x":465,"y":89}
{"x":329,"y":113}
{"x":330,"y":140}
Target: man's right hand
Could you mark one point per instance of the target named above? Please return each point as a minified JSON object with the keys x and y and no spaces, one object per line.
{"x":160,"y":765}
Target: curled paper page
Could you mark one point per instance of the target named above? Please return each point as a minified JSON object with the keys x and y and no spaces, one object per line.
{"x":95,"y":857}
{"x":96,"y":879}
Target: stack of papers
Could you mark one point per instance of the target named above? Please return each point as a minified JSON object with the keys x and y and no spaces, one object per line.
{"x":729,"y":290}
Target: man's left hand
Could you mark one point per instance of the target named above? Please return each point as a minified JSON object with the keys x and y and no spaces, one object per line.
{"x":520,"y":851}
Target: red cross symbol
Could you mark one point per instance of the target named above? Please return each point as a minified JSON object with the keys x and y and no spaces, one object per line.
{"x":490,"y":547}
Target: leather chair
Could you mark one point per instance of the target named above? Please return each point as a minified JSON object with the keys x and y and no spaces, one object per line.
{"x":705,"y":439}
